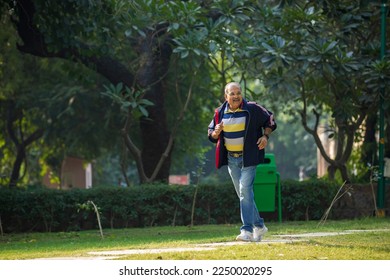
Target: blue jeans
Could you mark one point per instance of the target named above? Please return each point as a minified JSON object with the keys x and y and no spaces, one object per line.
{"x":243,"y":179}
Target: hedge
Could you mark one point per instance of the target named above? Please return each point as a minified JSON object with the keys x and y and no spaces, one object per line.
{"x":42,"y":209}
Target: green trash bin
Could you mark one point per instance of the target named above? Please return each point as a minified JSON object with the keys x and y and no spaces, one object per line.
{"x":267,"y":182}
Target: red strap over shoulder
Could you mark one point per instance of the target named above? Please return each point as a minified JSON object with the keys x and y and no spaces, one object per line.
{"x":217,"y":148}
{"x":216,"y":119}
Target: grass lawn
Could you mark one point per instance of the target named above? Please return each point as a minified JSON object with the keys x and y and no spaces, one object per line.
{"x":362,"y":239}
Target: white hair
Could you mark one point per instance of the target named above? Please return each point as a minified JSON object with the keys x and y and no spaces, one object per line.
{"x":232,"y":84}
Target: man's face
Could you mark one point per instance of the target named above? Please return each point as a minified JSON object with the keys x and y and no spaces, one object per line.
{"x":233,"y":97}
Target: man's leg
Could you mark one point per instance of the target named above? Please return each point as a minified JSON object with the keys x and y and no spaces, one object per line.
{"x":249,"y":212}
{"x":243,"y":179}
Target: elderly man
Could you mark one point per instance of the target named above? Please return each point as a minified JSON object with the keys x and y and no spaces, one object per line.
{"x":241,"y":130}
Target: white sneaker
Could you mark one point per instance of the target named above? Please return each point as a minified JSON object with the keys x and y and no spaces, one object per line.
{"x":258,"y":233}
{"x":245,"y":236}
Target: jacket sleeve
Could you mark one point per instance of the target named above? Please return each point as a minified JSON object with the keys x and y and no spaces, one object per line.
{"x":266,"y":116}
{"x":211,"y":128}
{"x":270,"y":122}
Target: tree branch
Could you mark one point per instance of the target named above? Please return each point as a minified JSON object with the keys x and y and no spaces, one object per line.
{"x":174,"y":131}
{"x":34,"y":44}
{"x":314,"y":131}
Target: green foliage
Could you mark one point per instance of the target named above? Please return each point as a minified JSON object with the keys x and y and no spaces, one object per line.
{"x":377,"y":76}
{"x":56,"y":97}
{"x":307,"y":200}
{"x":322,"y":44}
{"x":127,"y":99}
{"x":42,"y":209}
{"x":317,"y":53}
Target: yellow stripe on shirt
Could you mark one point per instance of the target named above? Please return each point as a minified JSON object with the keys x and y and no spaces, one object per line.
{"x":234,"y":148}
{"x":234,"y":127}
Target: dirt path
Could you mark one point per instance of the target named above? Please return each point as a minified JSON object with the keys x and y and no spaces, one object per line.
{"x":286,"y":238}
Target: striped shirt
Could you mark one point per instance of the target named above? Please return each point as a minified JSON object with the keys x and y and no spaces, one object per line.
{"x":234,"y":129}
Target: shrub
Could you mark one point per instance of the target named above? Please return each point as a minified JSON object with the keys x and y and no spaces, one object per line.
{"x":42,"y":209}
{"x":307,"y":200}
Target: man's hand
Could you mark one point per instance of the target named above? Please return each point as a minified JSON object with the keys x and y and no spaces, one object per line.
{"x":217,"y":131}
{"x":262,"y":142}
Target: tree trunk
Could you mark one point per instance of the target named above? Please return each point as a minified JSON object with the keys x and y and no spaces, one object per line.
{"x":16,"y":135}
{"x":331,"y":172}
{"x":20,"y":157}
{"x":345,"y":139}
{"x":155,"y":55}
{"x":344,"y":173}
{"x":369,"y":149}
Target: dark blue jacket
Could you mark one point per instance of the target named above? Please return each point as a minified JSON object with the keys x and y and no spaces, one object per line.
{"x":257,"y":119}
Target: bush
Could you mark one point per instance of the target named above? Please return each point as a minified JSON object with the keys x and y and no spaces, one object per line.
{"x":307,"y":200}
{"x":42,"y":209}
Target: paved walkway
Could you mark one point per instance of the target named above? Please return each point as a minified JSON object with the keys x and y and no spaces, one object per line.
{"x":285,"y":238}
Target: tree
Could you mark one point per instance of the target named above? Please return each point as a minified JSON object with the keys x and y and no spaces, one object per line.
{"x":320,"y":54}
{"x":147,"y":52}
{"x":127,"y":43}
{"x":138,"y":46}
{"x":48,"y":111}
{"x":19,"y":130}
